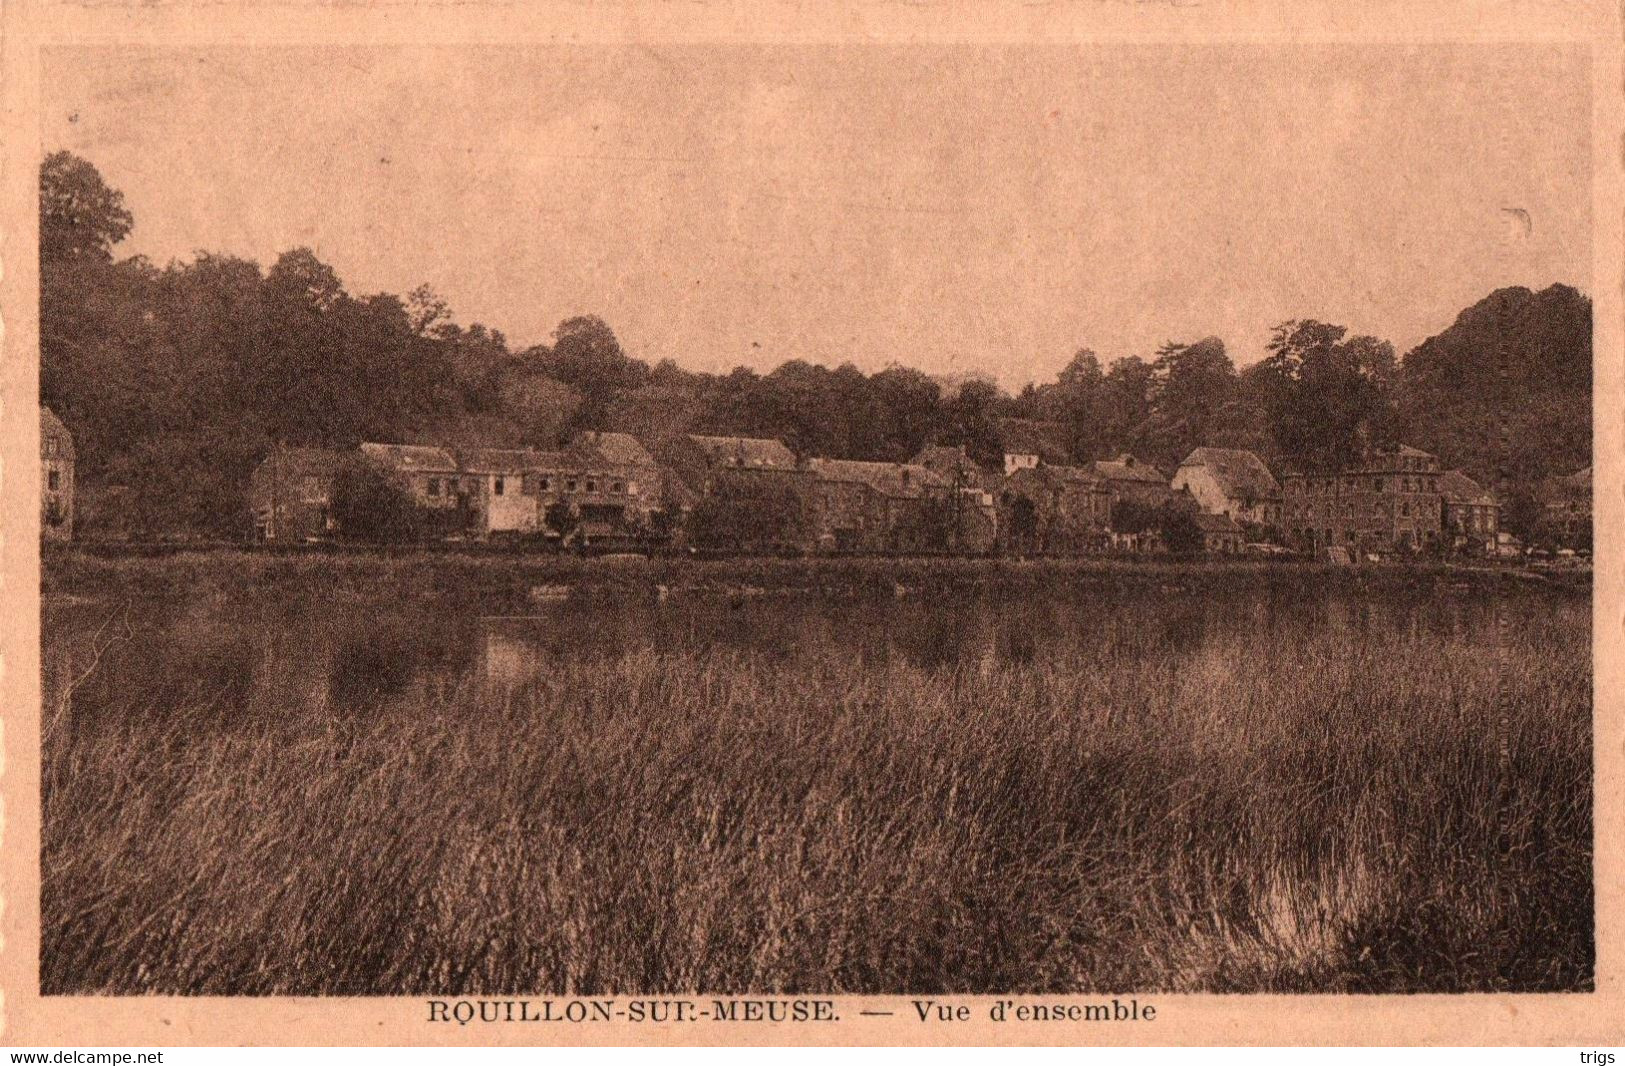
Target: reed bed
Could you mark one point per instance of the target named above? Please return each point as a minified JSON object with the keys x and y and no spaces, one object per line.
{"x":1404,"y":811}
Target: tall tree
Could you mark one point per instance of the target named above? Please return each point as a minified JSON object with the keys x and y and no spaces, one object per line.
{"x":587,"y":356}
{"x":1327,"y":398}
{"x":79,"y":215}
{"x":1190,"y":384}
{"x":971,"y":422}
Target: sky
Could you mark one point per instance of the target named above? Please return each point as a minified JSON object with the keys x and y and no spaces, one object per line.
{"x":960,"y":209}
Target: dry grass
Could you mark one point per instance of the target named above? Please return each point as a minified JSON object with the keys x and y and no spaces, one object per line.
{"x":1397,"y":808}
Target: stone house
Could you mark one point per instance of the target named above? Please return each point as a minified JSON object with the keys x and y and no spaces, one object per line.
{"x":1054,"y":508}
{"x":608,"y":481}
{"x":624,"y":476}
{"x":436,"y":482}
{"x":974,"y":492}
{"x":290,"y":494}
{"x":429,"y":473}
{"x":1390,"y":501}
{"x":56,"y":476}
{"x":1472,"y":515}
{"x":1127,"y":478}
{"x":1231,"y":482}
{"x":501,"y":490}
{"x":753,"y":453}
{"x":880,"y":507}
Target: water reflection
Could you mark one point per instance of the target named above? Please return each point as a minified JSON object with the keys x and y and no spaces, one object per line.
{"x":322,"y":655}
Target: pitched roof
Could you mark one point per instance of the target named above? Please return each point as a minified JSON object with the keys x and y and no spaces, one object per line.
{"x":505,"y":460}
{"x":1215,"y":523}
{"x":1239,"y":473}
{"x":1127,"y":468}
{"x":621,"y":448}
{"x":950,"y":463}
{"x":411,"y":456}
{"x":744,"y":451}
{"x":902,"y":480}
{"x":1459,"y":488}
{"x":1026,"y":436}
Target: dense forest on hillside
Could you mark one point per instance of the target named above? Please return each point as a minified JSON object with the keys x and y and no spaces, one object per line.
{"x":176,"y":380}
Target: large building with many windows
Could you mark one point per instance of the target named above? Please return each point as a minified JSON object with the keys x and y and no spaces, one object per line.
{"x":1391,"y":501}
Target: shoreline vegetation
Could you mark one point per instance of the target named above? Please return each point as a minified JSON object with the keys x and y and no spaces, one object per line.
{"x":1148,"y":777}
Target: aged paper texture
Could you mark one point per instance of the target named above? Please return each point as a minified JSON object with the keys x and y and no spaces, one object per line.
{"x":920,"y":524}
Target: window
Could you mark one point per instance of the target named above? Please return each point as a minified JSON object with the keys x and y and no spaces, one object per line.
{"x":570,"y":485}
{"x":434,"y":486}
{"x":547,"y":484}
{"x":497,"y":486}
{"x":1376,"y":484}
{"x":1404,"y":510}
{"x":592,"y":486}
{"x":53,"y":480}
{"x":632,"y":487}
{"x":1433,"y":484}
{"x":618,"y":487}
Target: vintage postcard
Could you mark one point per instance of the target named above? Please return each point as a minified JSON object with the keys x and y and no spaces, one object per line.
{"x":1000,"y":523}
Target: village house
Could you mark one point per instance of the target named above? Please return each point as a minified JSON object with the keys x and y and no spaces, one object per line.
{"x":501,"y":489}
{"x":1127,"y":478}
{"x":56,"y":476}
{"x":734,"y":482}
{"x":609,"y":484}
{"x":622,"y":466}
{"x":746,"y":453}
{"x":755,"y":508}
{"x":1220,"y":533}
{"x":1391,"y":501}
{"x":1472,"y":515}
{"x":434,"y":480}
{"x":290,"y":494}
{"x":1055,"y":509}
{"x":864,"y":506}
{"x":1233,"y":483}
{"x":975,"y":521}
{"x":431,"y":474}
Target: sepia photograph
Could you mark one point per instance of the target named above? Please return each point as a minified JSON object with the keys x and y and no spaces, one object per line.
{"x":813,"y":520}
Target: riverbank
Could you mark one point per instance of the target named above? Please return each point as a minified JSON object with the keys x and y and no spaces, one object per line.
{"x":507,"y":581}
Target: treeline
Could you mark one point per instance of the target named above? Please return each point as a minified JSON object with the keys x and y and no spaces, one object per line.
{"x":175,"y":380}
